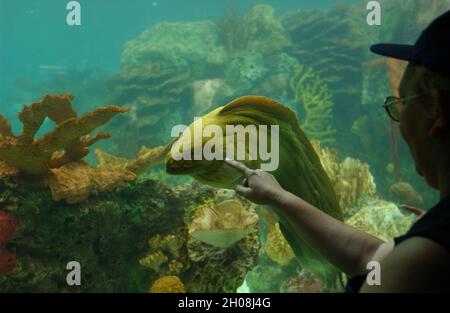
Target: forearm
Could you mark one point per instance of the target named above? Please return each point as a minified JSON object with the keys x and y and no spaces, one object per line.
{"x":342,"y":245}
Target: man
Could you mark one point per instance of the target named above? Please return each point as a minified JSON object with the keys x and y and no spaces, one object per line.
{"x":419,"y":261}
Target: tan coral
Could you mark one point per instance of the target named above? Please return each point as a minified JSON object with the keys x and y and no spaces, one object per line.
{"x":350,"y":178}
{"x":277,"y":248}
{"x":223,"y":224}
{"x":168,"y":284}
{"x":35,"y":156}
{"x":75,"y":181}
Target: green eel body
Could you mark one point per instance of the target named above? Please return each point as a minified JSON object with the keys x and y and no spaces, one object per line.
{"x":299,"y":172}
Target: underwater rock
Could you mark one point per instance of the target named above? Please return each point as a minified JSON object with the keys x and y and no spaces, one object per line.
{"x":381,"y":219}
{"x":404,"y":193}
{"x":168,"y":284}
{"x":223,"y":224}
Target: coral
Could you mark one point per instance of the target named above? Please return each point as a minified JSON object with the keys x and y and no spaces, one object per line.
{"x":223,"y":224}
{"x":405,"y":194}
{"x":216,"y":269}
{"x":56,"y":159}
{"x":277,"y":248}
{"x":7,"y":226}
{"x":168,"y":284}
{"x":381,"y":219}
{"x":313,"y":96}
{"x":36,"y":156}
{"x":350,"y":178}
{"x":154,"y":261}
{"x":165,"y":256}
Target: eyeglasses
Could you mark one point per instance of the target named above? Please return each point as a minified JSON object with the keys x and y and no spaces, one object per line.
{"x":394,"y":105}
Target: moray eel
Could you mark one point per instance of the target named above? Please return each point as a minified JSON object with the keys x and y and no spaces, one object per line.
{"x":299,"y":170}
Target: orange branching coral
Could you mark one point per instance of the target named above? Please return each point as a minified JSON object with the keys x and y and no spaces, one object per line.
{"x":36,"y":156}
{"x":145,"y":159}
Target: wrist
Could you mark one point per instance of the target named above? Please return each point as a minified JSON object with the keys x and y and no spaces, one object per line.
{"x":279,"y":198}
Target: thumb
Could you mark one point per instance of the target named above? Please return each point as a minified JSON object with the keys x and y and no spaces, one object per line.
{"x":243,"y":191}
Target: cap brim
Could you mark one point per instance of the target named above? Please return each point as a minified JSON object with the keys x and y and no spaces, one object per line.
{"x":402,"y":52}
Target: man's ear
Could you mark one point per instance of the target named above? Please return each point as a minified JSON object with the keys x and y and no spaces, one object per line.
{"x":441,"y":117}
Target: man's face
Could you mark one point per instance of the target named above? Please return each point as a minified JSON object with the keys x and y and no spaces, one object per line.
{"x":415,"y":125}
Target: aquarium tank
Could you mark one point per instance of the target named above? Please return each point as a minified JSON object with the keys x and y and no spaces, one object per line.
{"x":99,"y":101}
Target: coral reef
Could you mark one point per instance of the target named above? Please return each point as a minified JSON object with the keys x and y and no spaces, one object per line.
{"x":312,"y":94}
{"x":404,"y":193}
{"x":56,"y":158}
{"x":277,"y":248}
{"x":107,"y":234}
{"x":223,"y":224}
{"x":167,"y":284}
{"x":381,"y":219}
{"x":351,"y":179}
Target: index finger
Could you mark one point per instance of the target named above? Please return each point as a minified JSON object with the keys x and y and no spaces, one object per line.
{"x":241,"y":168}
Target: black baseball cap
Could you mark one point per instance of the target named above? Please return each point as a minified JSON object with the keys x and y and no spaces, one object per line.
{"x":431,"y":50}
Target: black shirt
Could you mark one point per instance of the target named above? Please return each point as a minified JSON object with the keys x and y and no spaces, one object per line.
{"x":434,"y":225}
